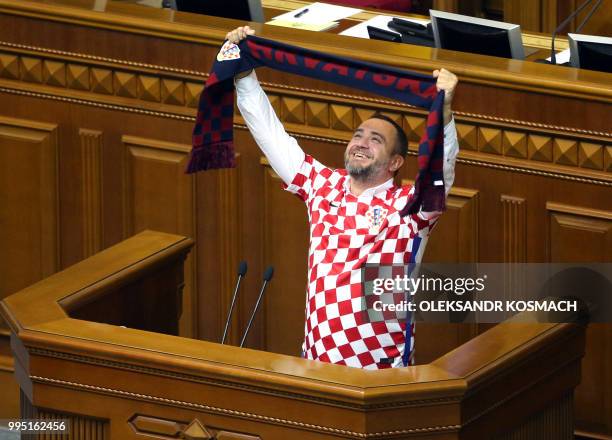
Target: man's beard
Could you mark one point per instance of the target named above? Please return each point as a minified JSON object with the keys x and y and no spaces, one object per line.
{"x":362,"y":172}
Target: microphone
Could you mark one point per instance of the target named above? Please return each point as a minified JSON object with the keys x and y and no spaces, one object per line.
{"x":553,"y":56}
{"x":242,"y":270}
{"x":267,"y":277}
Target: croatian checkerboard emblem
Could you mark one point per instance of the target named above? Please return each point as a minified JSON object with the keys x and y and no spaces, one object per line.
{"x":229,"y":51}
{"x":375,"y":215}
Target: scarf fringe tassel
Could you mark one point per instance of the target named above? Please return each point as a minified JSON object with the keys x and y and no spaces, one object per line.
{"x":211,"y":157}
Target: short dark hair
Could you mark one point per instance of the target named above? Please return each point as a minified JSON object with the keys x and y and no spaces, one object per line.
{"x":401,"y":141}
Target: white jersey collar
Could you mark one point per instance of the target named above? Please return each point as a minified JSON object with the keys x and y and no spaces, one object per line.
{"x":370,"y":192}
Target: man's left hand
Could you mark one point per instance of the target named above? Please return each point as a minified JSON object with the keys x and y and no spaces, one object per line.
{"x":447,"y":81}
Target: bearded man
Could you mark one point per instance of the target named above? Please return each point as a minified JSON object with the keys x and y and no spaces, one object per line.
{"x":355,"y":220}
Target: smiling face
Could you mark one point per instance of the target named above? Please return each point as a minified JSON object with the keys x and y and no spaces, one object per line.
{"x":370,"y":154}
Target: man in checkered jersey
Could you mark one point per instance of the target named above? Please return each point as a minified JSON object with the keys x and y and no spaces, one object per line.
{"x":354,"y":220}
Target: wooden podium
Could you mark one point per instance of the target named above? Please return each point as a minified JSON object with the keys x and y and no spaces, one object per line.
{"x":95,"y":344}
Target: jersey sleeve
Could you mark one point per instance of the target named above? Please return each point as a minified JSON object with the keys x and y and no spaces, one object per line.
{"x":311,"y":176}
{"x":283,"y":152}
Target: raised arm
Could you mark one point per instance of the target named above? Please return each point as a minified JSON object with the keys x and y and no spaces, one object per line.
{"x":283,"y":152}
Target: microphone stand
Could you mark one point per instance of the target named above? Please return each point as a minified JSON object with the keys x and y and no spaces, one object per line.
{"x":242,"y":269}
{"x":267,"y":277}
{"x":553,"y":56}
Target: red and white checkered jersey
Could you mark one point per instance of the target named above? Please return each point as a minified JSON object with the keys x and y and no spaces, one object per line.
{"x":347,"y":232}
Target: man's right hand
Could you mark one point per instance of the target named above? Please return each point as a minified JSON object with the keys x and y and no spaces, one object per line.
{"x":237,"y":35}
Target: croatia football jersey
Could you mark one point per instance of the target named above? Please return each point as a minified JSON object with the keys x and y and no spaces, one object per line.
{"x":346,"y":233}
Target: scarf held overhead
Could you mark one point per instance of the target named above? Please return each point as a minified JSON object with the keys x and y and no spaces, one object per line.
{"x":213,"y":131}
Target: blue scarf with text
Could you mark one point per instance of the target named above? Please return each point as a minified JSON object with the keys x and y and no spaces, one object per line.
{"x":213,"y":131}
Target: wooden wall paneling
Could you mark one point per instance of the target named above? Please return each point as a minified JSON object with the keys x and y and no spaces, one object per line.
{"x":525,"y":109}
{"x":446,"y":5}
{"x":480,"y":132}
{"x":549,"y":16}
{"x":29,"y":230}
{"x":251,"y":232}
{"x":160,"y":196}
{"x":593,"y":397}
{"x":9,"y":404}
{"x":579,"y":234}
{"x":555,"y":422}
{"x":514,"y":229}
{"x":148,"y":410}
{"x":524,"y":12}
{"x":600,"y":22}
{"x":28,"y":184}
{"x":473,"y":8}
{"x":83,"y":428}
{"x":286,"y":247}
{"x":219,"y":246}
{"x":155,"y":427}
{"x":455,"y":239}
{"x":91,"y":157}
{"x":229,"y":218}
